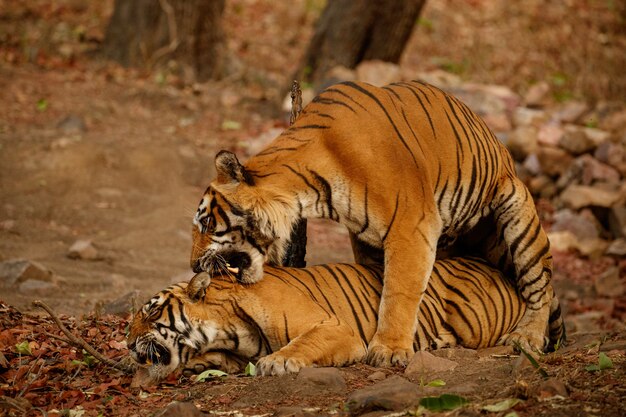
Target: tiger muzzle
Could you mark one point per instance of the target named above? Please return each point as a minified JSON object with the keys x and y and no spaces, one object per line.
{"x":150,"y":352}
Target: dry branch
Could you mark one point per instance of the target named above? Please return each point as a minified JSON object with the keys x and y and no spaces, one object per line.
{"x":80,"y":343}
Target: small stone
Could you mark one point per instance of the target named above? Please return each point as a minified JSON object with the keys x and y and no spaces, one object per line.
{"x":610,"y":153}
{"x":123,"y":305}
{"x":498,"y":122}
{"x":562,"y":241}
{"x":550,"y":134}
{"x":522,"y":142}
{"x":553,"y":161}
{"x":72,"y":124}
{"x":609,"y":284}
{"x":571,"y":111}
{"x":579,"y":225}
{"x":579,"y":196}
{"x":455,"y":353}
{"x":551,"y":388}
{"x":327,"y":378}
{"x":592,"y":170}
{"x":542,"y":186}
{"x":393,"y":394}
{"x":180,"y":409}
{"x":425,"y":362}
{"x":591,"y":247}
{"x":617,"y":221}
{"x":378,"y":73}
{"x":83,"y":249}
{"x":576,"y":142}
{"x":537,"y":94}
{"x":615,"y":121}
{"x":532,"y":164}
{"x":377,"y":376}
{"x":617,"y":248}
{"x":613,"y":345}
{"x":14,"y":272}
{"x":597,"y":136}
{"x":524,"y":117}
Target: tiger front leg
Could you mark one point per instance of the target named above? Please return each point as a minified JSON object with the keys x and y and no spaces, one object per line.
{"x":529,"y":248}
{"x":329,"y":343}
{"x":408,"y":265}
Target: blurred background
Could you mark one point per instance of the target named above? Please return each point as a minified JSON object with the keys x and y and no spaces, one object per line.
{"x":111,"y":113}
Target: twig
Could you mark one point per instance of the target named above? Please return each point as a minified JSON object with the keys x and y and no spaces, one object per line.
{"x":296,"y":102}
{"x":80,"y":343}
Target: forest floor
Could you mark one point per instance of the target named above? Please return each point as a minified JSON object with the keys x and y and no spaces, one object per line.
{"x":120,"y":157}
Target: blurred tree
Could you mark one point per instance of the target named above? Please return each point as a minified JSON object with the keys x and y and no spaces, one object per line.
{"x":351,"y":31}
{"x":150,"y":32}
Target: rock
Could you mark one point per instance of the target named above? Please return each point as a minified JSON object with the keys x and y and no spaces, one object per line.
{"x":613,"y":345}
{"x":123,"y":305}
{"x":610,"y":153}
{"x":378,"y":73}
{"x":485,"y":100}
{"x":537,"y":94}
{"x":579,"y":225}
{"x":550,"y":134}
{"x":72,"y":124}
{"x":522,"y":142}
{"x":596,"y":135}
{"x":439,"y":78}
{"x":455,"y":353}
{"x":83,"y":249}
{"x":608,"y":283}
{"x":522,"y":365}
{"x":425,"y":362}
{"x":532,"y":164}
{"x":393,"y":394}
{"x":525,"y":117}
{"x":576,"y":142}
{"x":571,"y":111}
{"x":377,"y":376}
{"x":579,"y":196}
{"x":591,"y":247}
{"x":14,"y":272}
{"x":551,"y":388}
{"x":33,"y":286}
{"x":542,"y":186}
{"x":615,"y":121}
{"x":584,"y":322}
{"x":562,"y":241}
{"x":327,"y":378}
{"x":180,"y":409}
{"x":553,"y":161}
{"x":617,"y":221}
{"x":593,"y":170}
{"x":498,"y":122}
{"x":617,"y":248}
{"x":565,"y":240}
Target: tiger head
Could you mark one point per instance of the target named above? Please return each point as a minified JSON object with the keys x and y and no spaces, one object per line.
{"x":177,"y":325}
{"x":240,"y":225}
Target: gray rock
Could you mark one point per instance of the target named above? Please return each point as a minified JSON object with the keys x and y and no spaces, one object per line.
{"x":378,"y":73}
{"x":393,"y":394}
{"x":522,"y":142}
{"x":122,"y":305}
{"x":327,"y":378}
{"x":571,"y":111}
{"x":425,"y":362}
{"x":532,"y":164}
{"x":579,"y":196}
{"x":523,"y":116}
{"x":14,"y":272}
{"x":576,"y":142}
{"x":83,"y":249}
{"x":596,"y":135}
{"x":593,"y":170}
{"x":72,"y":124}
{"x":550,"y":134}
{"x":617,"y":221}
{"x":610,"y":153}
{"x":180,"y":409}
{"x":553,"y":161}
{"x":608,"y":283}
{"x":617,"y":248}
{"x":579,"y":225}
{"x":537,"y":94}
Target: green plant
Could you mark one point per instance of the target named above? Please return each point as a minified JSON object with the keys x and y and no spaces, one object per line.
{"x":604,"y":362}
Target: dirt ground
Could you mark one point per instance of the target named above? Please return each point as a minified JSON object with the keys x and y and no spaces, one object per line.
{"x":89,"y":150}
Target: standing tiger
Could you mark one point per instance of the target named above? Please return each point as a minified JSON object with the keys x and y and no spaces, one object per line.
{"x":326,"y":316}
{"x":407,"y":169}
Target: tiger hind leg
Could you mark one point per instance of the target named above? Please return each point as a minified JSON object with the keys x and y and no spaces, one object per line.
{"x":525,"y":241}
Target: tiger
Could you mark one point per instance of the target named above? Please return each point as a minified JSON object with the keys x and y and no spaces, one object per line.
{"x":323,"y":315}
{"x":411,"y":172}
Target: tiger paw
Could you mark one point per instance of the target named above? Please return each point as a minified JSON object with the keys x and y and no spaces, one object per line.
{"x":277,"y":364}
{"x":528,"y":343}
{"x":380,"y":355}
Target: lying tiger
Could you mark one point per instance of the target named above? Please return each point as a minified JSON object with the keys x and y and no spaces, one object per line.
{"x":318,"y":316}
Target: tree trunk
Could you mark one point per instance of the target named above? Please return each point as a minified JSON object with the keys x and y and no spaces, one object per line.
{"x":152,"y":32}
{"x":351,"y":31}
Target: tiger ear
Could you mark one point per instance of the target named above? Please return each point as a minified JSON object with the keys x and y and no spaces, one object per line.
{"x":196,"y":289}
{"x":230,"y":170}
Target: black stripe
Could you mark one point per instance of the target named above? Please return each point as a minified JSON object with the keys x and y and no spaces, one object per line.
{"x":393,"y":218}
